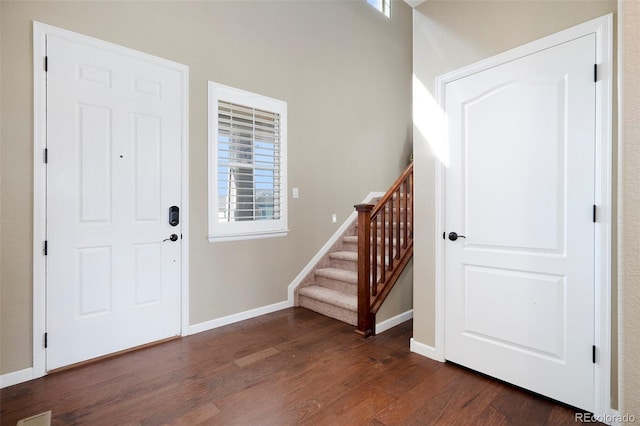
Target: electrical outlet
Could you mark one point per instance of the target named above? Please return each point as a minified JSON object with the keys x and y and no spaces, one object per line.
{"x":296,"y":193}
{"x":334,"y":218}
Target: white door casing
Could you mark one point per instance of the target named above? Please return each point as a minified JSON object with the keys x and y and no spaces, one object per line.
{"x":116,"y":138}
{"x":500,"y":254}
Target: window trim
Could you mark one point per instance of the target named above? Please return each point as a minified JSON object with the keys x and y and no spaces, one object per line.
{"x":245,"y":230}
{"x":382,"y":6}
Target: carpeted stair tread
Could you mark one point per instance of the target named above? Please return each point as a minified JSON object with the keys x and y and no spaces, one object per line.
{"x":338,"y":274}
{"x":332,"y":297}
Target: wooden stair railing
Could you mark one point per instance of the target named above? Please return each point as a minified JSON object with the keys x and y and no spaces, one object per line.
{"x":385,"y":246}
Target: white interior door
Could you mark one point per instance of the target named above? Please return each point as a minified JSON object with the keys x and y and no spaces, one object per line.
{"x":519,"y":288}
{"x":114,"y":170}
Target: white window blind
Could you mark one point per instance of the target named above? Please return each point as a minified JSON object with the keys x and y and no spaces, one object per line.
{"x":247,"y":171}
{"x":248,"y":163}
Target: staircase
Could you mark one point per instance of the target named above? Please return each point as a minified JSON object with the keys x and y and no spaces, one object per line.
{"x":332,"y":286}
{"x":335,"y":288}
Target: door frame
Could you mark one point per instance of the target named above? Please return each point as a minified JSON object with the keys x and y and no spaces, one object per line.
{"x":603,"y":29}
{"x":40,"y":32}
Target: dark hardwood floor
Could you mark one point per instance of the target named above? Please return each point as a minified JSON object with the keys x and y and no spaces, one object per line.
{"x":289,"y":367}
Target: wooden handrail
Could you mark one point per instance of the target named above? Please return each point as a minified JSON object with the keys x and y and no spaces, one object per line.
{"x":385,"y":246}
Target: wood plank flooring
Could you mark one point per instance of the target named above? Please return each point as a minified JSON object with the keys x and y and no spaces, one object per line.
{"x":290,"y":367}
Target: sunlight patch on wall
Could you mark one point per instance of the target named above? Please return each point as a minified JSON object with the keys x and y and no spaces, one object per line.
{"x":430,"y":121}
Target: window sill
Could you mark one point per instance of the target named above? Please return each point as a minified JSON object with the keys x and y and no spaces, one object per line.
{"x":251,"y":236}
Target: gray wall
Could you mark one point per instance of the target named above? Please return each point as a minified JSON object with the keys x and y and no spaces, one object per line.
{"x":345,"y":71}
{"x":449,"y":35}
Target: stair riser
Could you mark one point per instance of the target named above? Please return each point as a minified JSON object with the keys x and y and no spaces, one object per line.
{"x":337,"y":285}
{"x":331,"y":311}
{"x":347,"y":265}
{"x":348,"y":246}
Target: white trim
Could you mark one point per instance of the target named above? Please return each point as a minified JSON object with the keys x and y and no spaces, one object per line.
{"x":602,"y":27}
{"x":440,"y":245}
{"x":40,"y":32}
{"x":325,"y":248}
{"x":248,"y":236}
{"x":385,"y":325}
{"x":621,"y":151}
{"x":184,"y":215}
{"x":251,"y":229}
{"x":424,"y":350}
{"x":240,"y":316}
{"x":16,"y":377}
{"x":39,"y":199}
{"x":603,"y":199}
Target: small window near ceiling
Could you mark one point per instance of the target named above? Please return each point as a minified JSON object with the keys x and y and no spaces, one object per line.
{"x":247,"y":165}
{"x":384,"y":6}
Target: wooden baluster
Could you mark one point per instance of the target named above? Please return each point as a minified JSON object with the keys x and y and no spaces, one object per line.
{"x":390,"y":237}
{"x":374,"y":257}
{"x":383,"y":245}
{"x":412,"y":196}
{"x":365,"y":317}
{"x":398,"y":222}
{"x":406,"y":213}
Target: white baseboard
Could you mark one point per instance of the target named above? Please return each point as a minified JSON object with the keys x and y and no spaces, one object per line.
{"x":27,"y":374}
{"x":240,"y":316}
{"x":425,"y":350}
{"x":385,"y":325}
{"x":325,"y":248}
{"x":16,"y":377}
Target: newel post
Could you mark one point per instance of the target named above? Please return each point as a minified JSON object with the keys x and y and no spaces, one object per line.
{"x":365,"y":318}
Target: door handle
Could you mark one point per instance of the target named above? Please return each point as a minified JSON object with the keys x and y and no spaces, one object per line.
{"x":174,"y":215}
{"x":454,"y":236}
{"x":172,"y":237}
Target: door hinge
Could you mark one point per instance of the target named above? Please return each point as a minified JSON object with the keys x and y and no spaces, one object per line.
{"x":593,"y":353}
{"x":595,"y":73}
{"x":45,"y":250}
{"x":46,"y":155}
{"x":594,"y":214}
{"x":46,"y":63}
{"x":46,"y":340}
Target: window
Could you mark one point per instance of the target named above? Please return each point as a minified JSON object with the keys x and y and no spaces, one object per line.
{"x":383,"y":6}
{"x":247,"y":165}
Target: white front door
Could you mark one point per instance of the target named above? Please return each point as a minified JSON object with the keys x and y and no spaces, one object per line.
{"x":114,"y":171}
{"x":519,"y":287}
